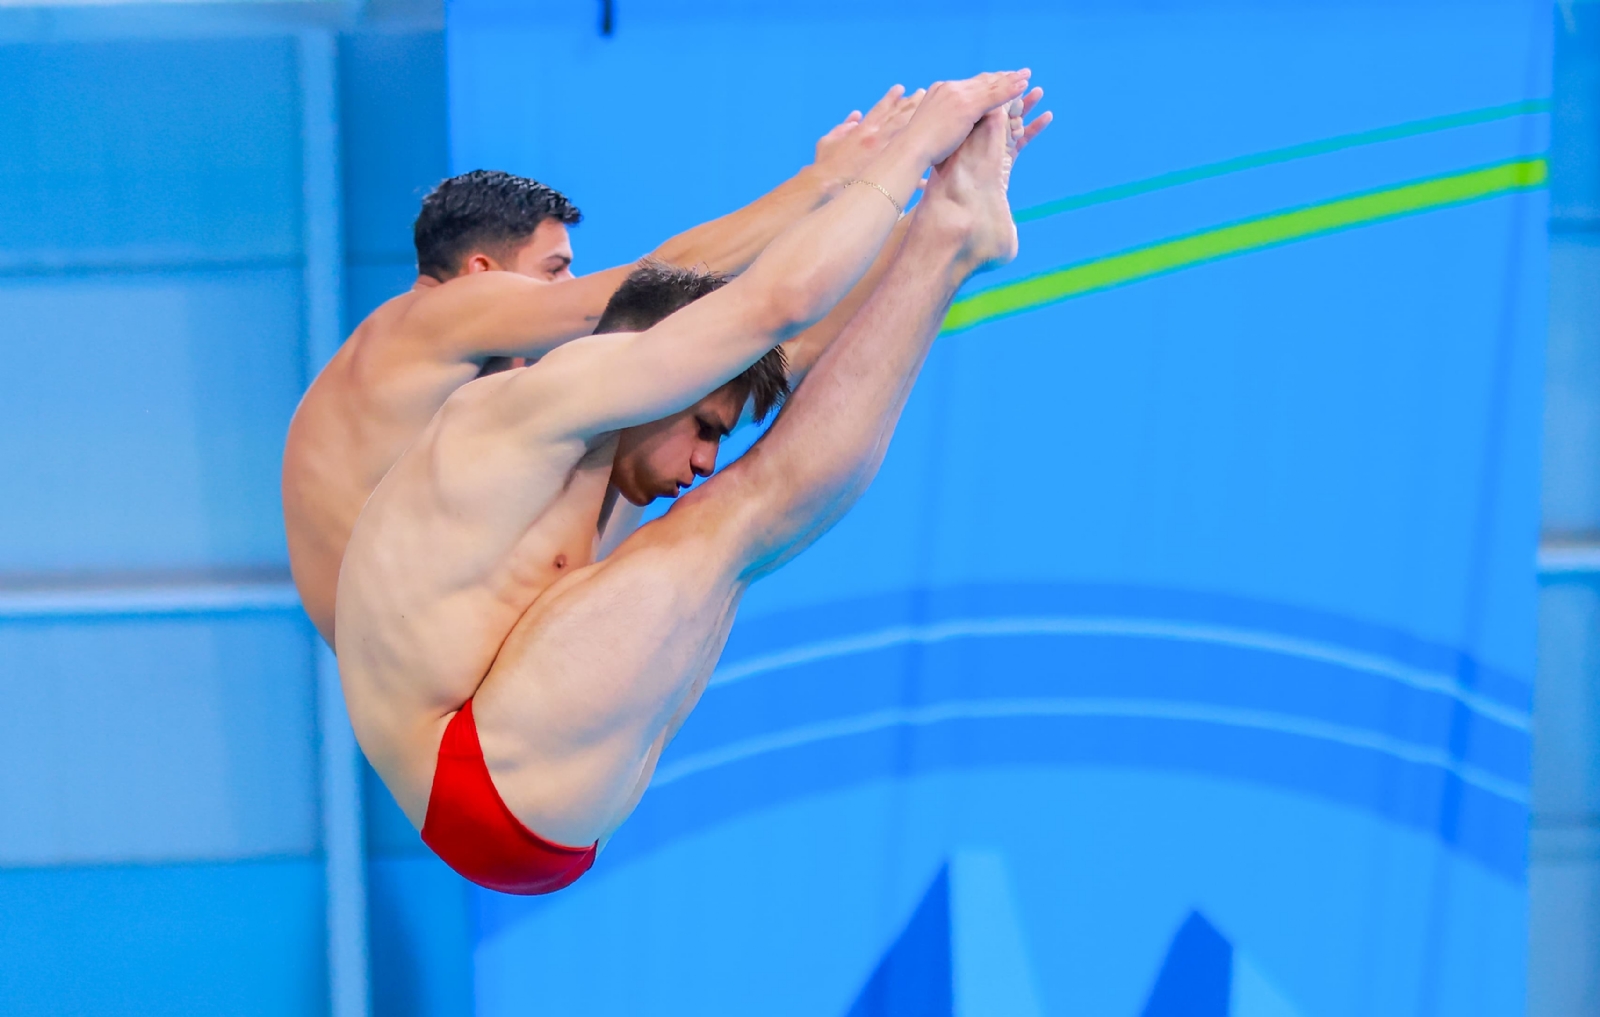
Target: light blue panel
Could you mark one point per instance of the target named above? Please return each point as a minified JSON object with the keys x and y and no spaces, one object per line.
{"x":1106,"y":864}
{"x":1564,"y":900}
{"x":158,"y":739}
{"x":1571,"y":502}
{"x":1252,"y":994}
{"x":1567,"y":725}
{"x":149,"y":151}
{"x":143,"y":426}
{"x":236,"y":940}
{"x":991,"y":964}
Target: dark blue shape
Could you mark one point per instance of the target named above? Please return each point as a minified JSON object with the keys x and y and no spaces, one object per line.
{"x":1196,"y":975}
{"x":913,"y":979}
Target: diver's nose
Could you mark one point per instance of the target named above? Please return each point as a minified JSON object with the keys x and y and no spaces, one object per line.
{"x":703,"y":463}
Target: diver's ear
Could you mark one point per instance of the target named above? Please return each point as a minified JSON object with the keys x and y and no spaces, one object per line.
{"x":479,"y":263}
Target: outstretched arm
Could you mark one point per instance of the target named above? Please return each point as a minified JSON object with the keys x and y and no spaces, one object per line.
{"x":801,"y":352}
{"x":730,"y":244}
{"x":486,"y":314}
{"x":800,"y":277}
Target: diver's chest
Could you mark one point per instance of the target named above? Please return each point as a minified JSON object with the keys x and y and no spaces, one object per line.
{"x":566,"y":535}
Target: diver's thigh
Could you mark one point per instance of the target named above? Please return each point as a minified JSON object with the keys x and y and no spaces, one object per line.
{"x":592,"y":674}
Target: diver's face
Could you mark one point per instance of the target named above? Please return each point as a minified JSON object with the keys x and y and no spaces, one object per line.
{"x":546,"y":256}
{"x":661,"y":458}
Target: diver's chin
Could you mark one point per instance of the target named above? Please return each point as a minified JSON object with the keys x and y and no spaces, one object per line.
{"x":644,"y":500}
{"x":633,"y":497}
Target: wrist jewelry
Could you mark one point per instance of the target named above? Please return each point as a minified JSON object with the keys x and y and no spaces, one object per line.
{"x":879,"y":188}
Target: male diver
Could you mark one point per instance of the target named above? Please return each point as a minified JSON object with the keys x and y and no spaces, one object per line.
{"x":515,"y":694}
{"x":494,"y":284}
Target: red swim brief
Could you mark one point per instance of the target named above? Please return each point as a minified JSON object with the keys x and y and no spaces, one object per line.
{"x":469,"y":826}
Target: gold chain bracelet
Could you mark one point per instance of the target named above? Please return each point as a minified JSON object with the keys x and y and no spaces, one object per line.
{"x":880,"y":189}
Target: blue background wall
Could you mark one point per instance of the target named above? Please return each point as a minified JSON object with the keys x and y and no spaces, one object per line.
{"x":1209,"y":595}
{"x":160,"y":848}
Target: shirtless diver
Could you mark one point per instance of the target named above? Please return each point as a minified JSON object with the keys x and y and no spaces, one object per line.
{"x":513,"y":693}
{"x":494,"y":285}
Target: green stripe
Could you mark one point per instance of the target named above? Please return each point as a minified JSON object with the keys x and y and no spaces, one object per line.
{"x":1284,"y":227}
{"x":1244,"y":162}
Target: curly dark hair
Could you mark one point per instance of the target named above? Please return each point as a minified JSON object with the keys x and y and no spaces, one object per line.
{"x":485,"y":210}
{"x":655,"y":289}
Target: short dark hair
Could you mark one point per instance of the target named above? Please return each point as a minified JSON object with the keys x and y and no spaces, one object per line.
{"x":485,"y":210}
{"x":655,"y":289}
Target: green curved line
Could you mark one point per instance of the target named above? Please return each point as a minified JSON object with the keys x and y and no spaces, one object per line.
{"x":1277,"y":155}
{"x":1347,"y":212}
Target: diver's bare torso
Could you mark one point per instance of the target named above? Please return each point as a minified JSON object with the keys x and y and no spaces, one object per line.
{"x":449,"y":595}
{"x":356,"y":419}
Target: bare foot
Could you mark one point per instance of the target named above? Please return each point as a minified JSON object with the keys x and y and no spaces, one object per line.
{"x":970,"y":187}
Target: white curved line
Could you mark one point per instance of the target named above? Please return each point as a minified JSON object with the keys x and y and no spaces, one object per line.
{"x":1267,"y":642}
{"x":1259,"y":720}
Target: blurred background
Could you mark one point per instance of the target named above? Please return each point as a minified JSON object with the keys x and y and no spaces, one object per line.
{"x":1180,"y":663}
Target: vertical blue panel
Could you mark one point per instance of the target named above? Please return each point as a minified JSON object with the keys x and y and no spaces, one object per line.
{"x":420,"y":933}
{"x":420,"y":918}
{"x":1564,"y":877}
{"x":149,"y":151}
{"x":392,"y":105}
{"x":395,"y":150}
{"x":1575,"y":116}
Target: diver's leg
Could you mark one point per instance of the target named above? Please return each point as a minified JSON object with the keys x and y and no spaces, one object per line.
{"x":595,"y":677}
{"x":827,"y":444}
